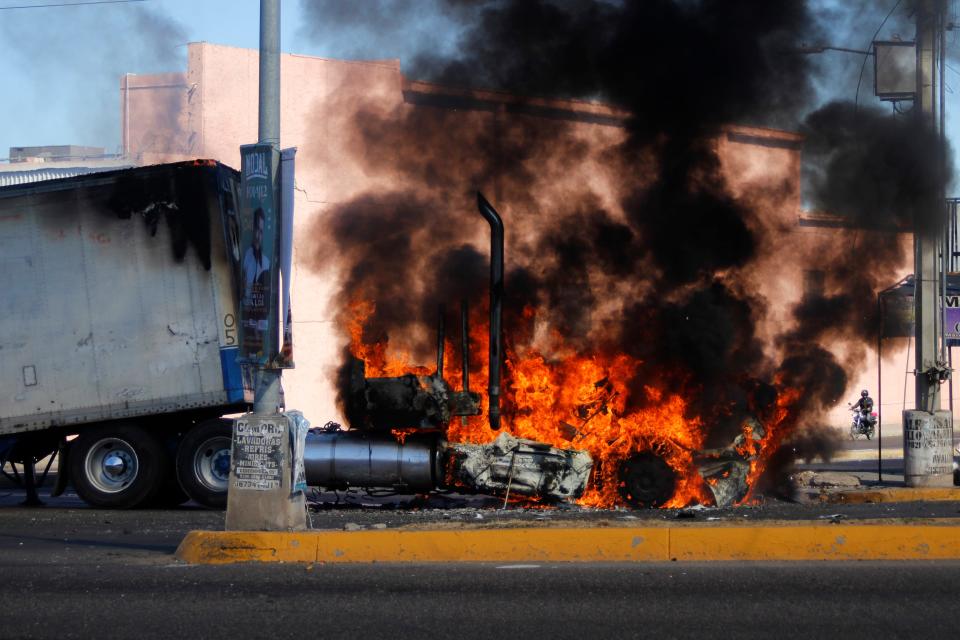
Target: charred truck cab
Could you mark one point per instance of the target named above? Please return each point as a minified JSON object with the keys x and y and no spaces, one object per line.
{"x":370,"y":455}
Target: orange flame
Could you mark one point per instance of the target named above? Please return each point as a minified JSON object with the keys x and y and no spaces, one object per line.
{"x":572,"y":401}
{"x":776,"y":430}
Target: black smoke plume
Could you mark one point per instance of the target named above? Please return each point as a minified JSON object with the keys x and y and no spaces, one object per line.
{"x":879,"y":171}
{"x":660,"y":274}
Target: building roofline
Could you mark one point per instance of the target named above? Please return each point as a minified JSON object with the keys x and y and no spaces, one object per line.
{"x":763,"y":132}
{"x":578,"y":110}
{"x":495,"y":97}
{"x":392,"y":63}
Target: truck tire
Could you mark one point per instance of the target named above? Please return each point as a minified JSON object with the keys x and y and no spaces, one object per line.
{"x":117,"y":467}
{"x":203,"y":462}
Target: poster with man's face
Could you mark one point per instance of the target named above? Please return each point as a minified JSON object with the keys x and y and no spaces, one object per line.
{"x":259,"y":236}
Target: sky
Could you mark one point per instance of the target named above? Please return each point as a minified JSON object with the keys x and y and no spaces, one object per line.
{"x":62,"y":65}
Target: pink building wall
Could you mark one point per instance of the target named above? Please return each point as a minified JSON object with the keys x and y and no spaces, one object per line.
{"x":154,"y":117}
{"x":211,"y":110}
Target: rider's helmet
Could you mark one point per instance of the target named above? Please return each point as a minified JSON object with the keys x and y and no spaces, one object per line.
{"x":864,"y":393}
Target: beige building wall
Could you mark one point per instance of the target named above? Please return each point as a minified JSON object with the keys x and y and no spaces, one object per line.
{"x":211,"y":110}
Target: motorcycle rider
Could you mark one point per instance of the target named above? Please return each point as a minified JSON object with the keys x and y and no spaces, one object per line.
{"x":865,"y":403}
{"x":863,"y":406}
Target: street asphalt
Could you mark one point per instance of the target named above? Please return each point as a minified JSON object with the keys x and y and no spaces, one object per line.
{"x":70,"y":571}
{"x":141,"y":593}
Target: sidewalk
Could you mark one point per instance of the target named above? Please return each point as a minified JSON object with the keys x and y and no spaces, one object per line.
{"x":858,"y":477}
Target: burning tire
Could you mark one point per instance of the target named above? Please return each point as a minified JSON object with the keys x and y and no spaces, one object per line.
{"x":647,"y":481}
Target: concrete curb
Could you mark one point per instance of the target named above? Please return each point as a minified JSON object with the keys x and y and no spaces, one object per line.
{"x":932,"y":540}
{"x":893,"y":494}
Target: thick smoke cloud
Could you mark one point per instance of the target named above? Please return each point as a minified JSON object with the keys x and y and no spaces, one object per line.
{"x":657,"y":58}
{"x":660,"y":274}
{"x":880,"y":171}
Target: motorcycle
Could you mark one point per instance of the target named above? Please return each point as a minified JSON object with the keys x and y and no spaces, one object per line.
{"x":864,"y":422}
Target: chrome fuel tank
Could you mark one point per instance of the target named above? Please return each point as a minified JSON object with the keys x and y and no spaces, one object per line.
{"x":363,"y":459}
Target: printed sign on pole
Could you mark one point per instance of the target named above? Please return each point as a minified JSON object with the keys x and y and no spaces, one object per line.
{"x":257,"y":453}
{"x":951,"y":319}
{"x":259,"y":241}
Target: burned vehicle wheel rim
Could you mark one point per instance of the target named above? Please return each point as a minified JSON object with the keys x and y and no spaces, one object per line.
{"x":111,"y":465}
{"x":211,"y":463}
{"x":646,"y":480}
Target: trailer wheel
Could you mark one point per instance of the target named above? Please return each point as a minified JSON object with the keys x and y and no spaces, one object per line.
{"x":203,"y":462}
{"x":117,"y":467}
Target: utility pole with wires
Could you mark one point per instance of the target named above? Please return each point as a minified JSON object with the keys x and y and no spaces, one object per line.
{"x":928,"y":430}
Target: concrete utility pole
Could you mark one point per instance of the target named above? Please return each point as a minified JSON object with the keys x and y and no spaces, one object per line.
{"x":926,"y":243}
{"x":928,"y":432}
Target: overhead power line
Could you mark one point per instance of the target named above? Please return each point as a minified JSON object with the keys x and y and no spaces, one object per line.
{"x":67,"y":4}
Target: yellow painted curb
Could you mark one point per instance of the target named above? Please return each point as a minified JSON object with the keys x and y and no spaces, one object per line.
{"x":608,"y":544}
{"x":817,"y":542}
{"x":898,"y":494}
{"x":214,"y":547}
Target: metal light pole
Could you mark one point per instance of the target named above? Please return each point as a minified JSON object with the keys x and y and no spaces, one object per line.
{"x":269,"y":122}
{"x":265,"y":492}
{"x":268,"y":396}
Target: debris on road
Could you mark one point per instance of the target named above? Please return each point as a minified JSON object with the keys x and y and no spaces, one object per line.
{"x":526,"y":467}
{"x":824,"y":479}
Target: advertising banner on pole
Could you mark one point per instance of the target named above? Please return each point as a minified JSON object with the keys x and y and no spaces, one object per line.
{"x":259,"y":242}
{"x":951,"y":319}
{"x":284,"y":359}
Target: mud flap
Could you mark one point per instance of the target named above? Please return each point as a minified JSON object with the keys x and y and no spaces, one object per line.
{"x":63,"y":469}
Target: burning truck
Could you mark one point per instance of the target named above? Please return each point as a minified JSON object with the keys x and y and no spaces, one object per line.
{"x":400,"y":423}
{"x":412,"y":430}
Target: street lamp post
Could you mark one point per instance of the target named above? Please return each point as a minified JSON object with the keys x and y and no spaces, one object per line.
{"x":265,"y":487}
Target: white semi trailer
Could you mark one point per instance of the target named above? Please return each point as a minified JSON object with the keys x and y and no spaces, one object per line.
{"x":118,"y":334}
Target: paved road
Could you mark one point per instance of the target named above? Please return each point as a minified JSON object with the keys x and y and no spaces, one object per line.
{"x":70,"y":571}
{"x":145,"y":595}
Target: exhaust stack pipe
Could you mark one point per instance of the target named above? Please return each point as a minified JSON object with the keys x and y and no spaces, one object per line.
{"x":496,"y":301}
{"x":441,"y":339}
{"x":465,"y":344}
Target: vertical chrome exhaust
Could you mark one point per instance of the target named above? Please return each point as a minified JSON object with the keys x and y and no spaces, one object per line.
{"x":496,"y":301}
